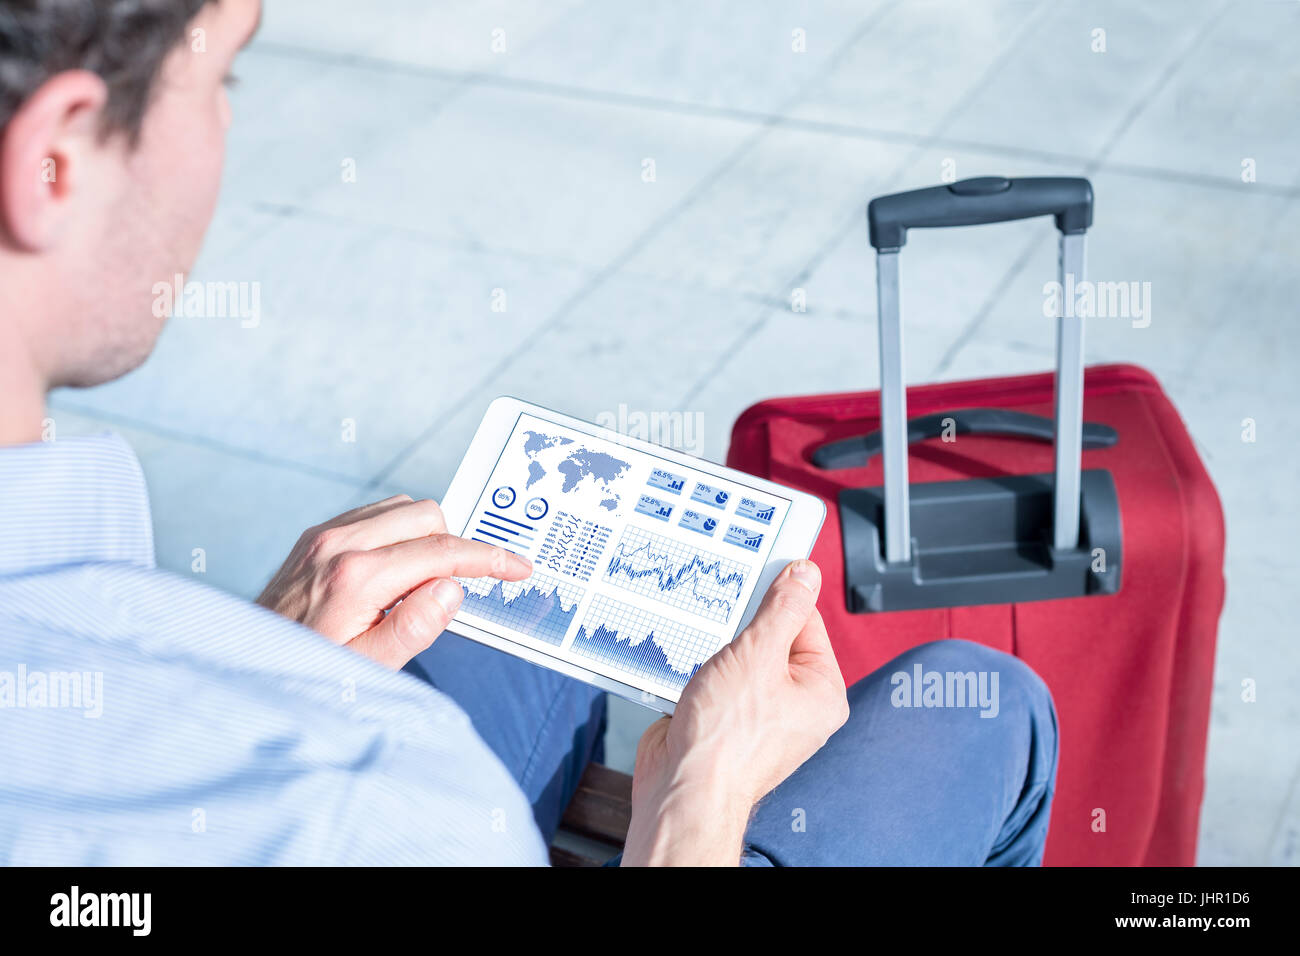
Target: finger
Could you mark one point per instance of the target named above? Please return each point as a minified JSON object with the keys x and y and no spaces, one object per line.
{"x":365,"y":511}
{"x":386,"y":574}
{"x":413,"y":625}
{"x":401,"y":521}
{"x":813,"y":666}
{"x":653,"y":736}
{"x":786,"y":608}
{"x":326,"y":540}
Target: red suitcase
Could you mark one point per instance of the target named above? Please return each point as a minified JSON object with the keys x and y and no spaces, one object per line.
{"x":1020,"y":524}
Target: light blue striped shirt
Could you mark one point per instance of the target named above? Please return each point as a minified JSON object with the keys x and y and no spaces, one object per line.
{"x":147,"y":719}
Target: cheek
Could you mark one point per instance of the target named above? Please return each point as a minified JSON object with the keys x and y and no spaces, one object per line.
{"x":223,"y":109}
{"x":182,"y":174}
{"x":203,"y":164}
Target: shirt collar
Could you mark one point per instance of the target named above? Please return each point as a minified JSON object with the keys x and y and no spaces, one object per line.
{"x":73,"y":501}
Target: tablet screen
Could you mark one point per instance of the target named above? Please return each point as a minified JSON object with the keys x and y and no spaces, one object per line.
{"x":643,"y":567}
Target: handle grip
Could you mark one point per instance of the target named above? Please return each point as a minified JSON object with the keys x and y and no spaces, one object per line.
{"x":857,"y":451}
{"x":984,"y":199}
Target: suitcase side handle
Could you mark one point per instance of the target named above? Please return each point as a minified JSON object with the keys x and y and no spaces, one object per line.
{"x":985,"y":199}
{"x":855,"y":452}
{"x":971,"y":201}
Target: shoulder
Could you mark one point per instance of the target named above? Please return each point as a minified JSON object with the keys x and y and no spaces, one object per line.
{"x":193,"y":700}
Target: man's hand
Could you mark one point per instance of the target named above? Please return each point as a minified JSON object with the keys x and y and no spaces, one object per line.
{"x":345,"y":574}
{"x":748,"y":719}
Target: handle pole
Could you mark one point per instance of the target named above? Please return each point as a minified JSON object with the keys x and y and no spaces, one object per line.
{"x":1069,"y":398}
{"x":893,"y":410}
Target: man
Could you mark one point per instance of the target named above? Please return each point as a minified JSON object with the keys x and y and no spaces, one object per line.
{"x":147,"y":719}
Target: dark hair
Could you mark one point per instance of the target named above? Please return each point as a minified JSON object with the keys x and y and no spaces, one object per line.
{"x":124,"y":41}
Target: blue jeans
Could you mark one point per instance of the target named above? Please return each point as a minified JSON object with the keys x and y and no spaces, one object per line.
{"x":897,"y":785}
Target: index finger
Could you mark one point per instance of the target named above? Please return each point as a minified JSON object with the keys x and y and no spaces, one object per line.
{"x":393,"y":571}
{"x":402,"y":521}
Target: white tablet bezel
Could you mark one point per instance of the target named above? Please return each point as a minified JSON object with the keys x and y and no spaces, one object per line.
{"x":794,"y":539}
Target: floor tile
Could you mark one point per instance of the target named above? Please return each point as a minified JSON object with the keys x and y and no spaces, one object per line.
{"x":302,"y":124}
{"x":1285,"y":850}
{"x":1190,"y":243}
{"x":1053,"y":93}
{"x":916,"y":64}
{"x":770,"y":213}
{"x":536,"y":175}
{"x":1231,"y":100}
{"x":454,"y":35}
{"x":1255,"y":345}
{"x":364,"y":338}
{"x":1245,"y":442}
{"x":1253,"y":748}
{"x":632,"y":345}
{"x":737,"y":54}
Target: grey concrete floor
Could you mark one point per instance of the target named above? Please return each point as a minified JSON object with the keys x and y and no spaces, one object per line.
{"x":502,"y":153}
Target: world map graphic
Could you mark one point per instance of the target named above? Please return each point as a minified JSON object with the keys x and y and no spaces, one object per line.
{"x":580,"y":465}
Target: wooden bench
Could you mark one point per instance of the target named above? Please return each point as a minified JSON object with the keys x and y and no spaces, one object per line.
{"x":595,"y":824}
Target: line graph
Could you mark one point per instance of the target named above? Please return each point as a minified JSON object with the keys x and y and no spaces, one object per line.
{"x":540,"y":606}
{"x":698,"y":581}
{"x":637,"y":642}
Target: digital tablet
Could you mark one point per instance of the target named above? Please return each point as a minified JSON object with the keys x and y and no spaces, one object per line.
{"x":646,"y":561}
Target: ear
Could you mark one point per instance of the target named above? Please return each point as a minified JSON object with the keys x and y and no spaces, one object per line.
{"x":45,"y":151}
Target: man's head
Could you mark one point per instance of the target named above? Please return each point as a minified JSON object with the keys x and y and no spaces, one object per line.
{"x":113,"y":116}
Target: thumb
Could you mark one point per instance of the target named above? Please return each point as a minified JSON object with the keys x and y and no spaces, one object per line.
{"x":812,"y":652}
{"x":786,"y":608}
{"x":413,"y":625}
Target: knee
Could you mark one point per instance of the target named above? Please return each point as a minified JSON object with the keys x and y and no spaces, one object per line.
{"x":1006,"y":686}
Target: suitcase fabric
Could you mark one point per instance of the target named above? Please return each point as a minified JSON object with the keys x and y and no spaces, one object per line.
{"x":1131,"y":671}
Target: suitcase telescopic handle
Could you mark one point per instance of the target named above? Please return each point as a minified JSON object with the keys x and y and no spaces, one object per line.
{"x":972,"y":202}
